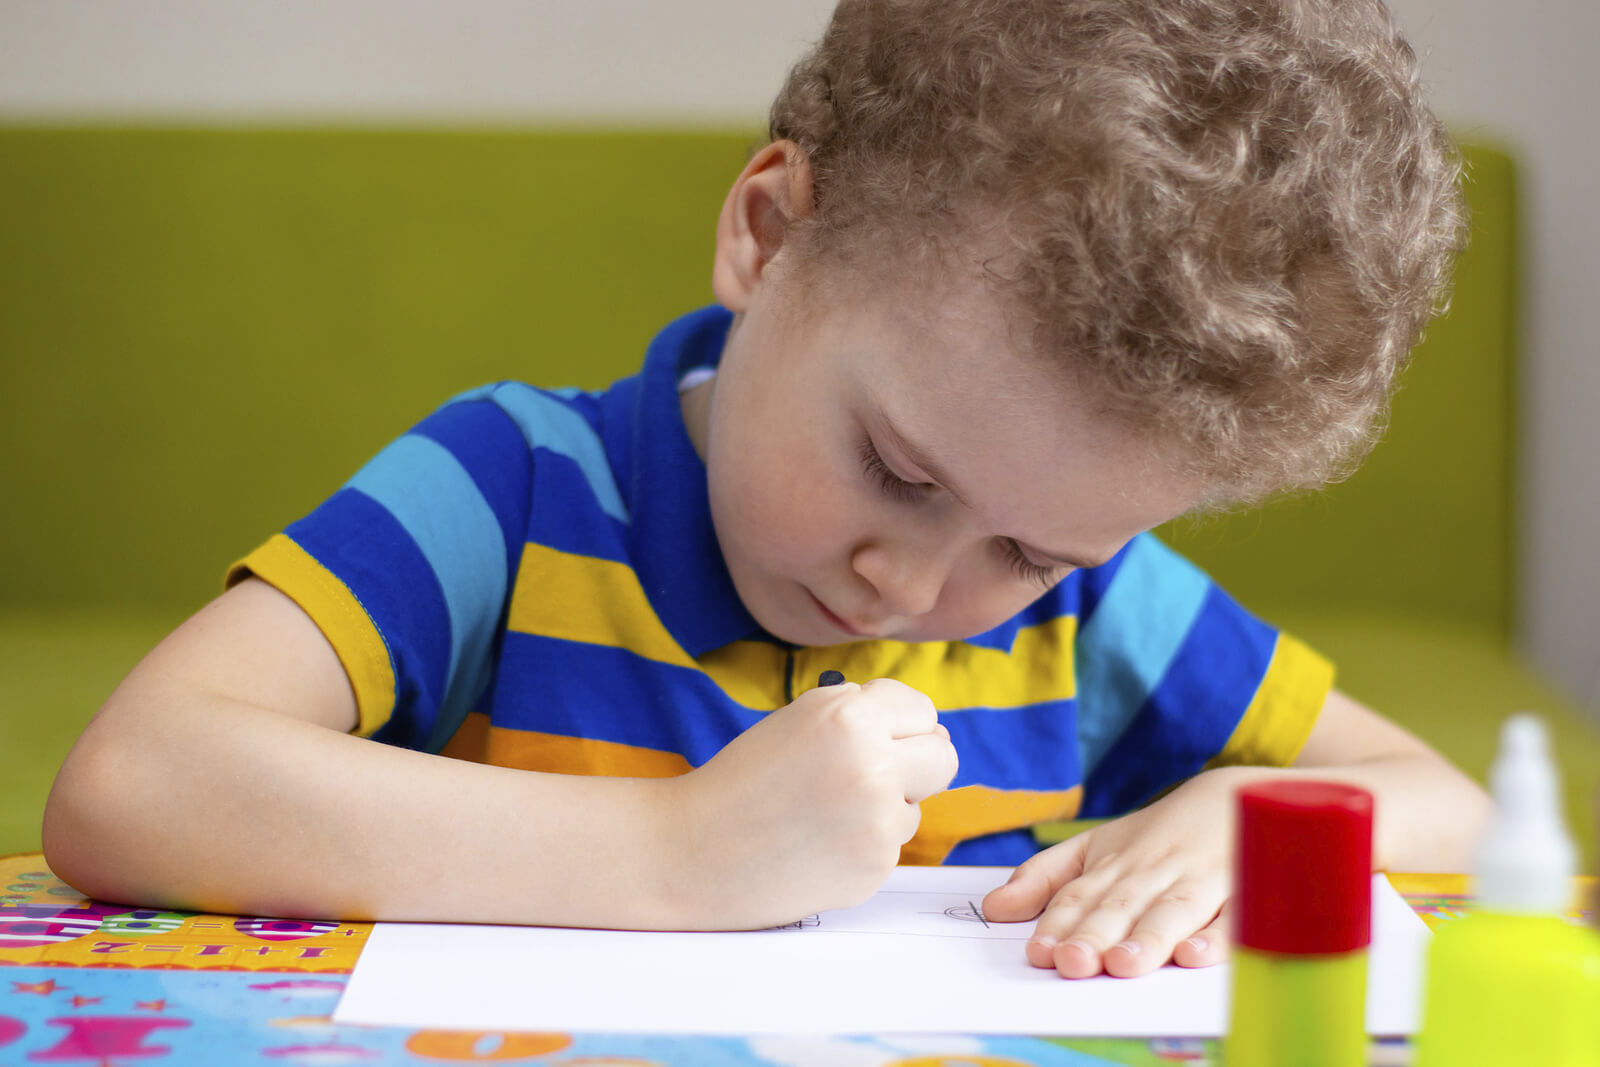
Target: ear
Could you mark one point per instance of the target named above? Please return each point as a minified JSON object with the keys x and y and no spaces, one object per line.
{"x":773,"y":190}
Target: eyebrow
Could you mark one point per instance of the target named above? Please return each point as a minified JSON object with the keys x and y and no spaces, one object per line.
{"x":920,"y":459}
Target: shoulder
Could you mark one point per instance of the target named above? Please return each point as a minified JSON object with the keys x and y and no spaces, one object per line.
{"x":566,"y":422}
{"x":539,"y":414}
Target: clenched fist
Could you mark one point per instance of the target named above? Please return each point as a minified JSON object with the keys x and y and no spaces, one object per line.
{"x":807,"y":809}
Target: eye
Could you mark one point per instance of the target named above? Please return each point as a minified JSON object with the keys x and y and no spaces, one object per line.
{"x":891,"y":483}
{"x":1026,"y":569}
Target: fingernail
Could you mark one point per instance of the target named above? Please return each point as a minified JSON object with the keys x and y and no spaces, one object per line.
{"x":1048,"y":943}
{"x":1088,"y":949}
{"x":1200,"y":944}
{"x":1130,"y":947}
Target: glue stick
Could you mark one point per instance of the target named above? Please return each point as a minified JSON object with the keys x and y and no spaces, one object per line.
{"x":1303,"y":920}
{"x":1515,"y":982}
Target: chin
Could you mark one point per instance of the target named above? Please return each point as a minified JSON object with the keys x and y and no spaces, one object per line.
{"x":785,"y":627}
{"x":818,"y":636}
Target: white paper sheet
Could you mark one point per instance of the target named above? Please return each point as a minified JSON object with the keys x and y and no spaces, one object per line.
{"x":916,"y":958}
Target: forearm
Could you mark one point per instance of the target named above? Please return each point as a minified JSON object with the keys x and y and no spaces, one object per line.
{"x":1427,"y":813}
{"x":203,"y":803}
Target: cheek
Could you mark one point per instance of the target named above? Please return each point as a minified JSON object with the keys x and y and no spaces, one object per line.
{"x":772,"y":506}
{"x":979,"y":597}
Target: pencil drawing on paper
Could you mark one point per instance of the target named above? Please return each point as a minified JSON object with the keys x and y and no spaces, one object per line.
{"x":967,"y":911}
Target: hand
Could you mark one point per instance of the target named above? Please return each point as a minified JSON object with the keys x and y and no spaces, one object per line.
{"x":1129,"y":895}
{"x":807,"y":809}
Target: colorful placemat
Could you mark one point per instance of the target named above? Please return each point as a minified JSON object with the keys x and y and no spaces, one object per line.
{"x":192,"y":990}
{"x":44,"y":923}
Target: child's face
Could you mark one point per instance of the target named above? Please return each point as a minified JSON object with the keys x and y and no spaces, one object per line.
{"x":892,"y":468}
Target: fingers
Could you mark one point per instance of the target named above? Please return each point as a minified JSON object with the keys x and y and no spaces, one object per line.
{"x":1176,"y":915}
{"x":1085,"y":917}
{"x":928,"y":764}
{"x":1206,"y":948}
{"x":1034,"y":882}
{"x":902,"y":710}
{"x":1130,"y":925}
{"x":912,"y":822}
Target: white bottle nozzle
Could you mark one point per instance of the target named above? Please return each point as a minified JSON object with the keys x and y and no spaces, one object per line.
{"x":1526,"y":859}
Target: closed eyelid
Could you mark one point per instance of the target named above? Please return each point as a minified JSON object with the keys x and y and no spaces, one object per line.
{"x":1036,"y":558}
{"x":879,"y":457}
{"x":1038,"y":573}
{"x":902,"y":461}
{"x":892,"y":484}
{"x":1050,"y":560}
{"x":932,"y":477}
{"x":907,"y":454}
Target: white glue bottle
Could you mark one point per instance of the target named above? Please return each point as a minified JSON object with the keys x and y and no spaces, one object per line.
{"x":1515,"y":982}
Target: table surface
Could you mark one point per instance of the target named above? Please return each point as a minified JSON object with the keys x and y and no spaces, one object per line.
{"x":96,"y":985}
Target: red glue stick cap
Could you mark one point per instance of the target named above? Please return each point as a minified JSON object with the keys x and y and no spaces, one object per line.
{"x":1303,"y":868}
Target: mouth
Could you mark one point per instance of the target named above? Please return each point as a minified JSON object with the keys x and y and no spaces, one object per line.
{"x":833,"y":620}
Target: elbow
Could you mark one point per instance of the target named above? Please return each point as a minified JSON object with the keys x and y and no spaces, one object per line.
{"x":1456,"y":809}
{"x":62,"y":835}
{"x":86,"y":833}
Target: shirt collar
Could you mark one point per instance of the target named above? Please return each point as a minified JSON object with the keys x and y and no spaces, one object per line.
{"x":672,"y":542}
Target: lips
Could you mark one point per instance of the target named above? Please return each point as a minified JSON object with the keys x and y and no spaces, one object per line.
{"x":835,"y":621}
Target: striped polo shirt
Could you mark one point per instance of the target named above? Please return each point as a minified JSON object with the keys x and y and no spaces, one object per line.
{"x":530,"y":578}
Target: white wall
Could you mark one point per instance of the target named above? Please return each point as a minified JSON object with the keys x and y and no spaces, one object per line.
{"x":695,"y":61}
{"x":1524,"y":73}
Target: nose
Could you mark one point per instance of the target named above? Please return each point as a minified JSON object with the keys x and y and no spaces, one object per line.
{"x":907,"y":576}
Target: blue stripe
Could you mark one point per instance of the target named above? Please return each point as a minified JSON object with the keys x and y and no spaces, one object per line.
{"x":548,"y":423}
{"x":1130,"y":640}
{"x":1027,"y":747}
{"x":576,"y":685}
{"x":1004,"y":849}
{"x":363,"y":545}
{"x":489,"y":445}
{"x":567,"y":519}
{"x":1094,"y":581}
{"x":1059,"y":601}
{"x":432,"y":495}
{"x":1191,"y":714}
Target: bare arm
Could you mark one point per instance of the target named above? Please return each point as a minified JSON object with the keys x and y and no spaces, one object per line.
{"x":1428,"y":812}
{"x":220,"y":776}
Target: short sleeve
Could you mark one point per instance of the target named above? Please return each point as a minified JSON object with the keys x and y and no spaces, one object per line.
{"x":1174,"y":676}
{"x":406,"y":569}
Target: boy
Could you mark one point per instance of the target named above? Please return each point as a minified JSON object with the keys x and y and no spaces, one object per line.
{"x":1013,"y":283}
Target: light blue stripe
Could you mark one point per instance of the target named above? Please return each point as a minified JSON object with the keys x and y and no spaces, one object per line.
{"x":429,"y":492}
{"x":1136,"y":630}
{"x":549,"y":424}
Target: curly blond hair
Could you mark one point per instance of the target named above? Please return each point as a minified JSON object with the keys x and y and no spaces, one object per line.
{"x":1232,"y":218}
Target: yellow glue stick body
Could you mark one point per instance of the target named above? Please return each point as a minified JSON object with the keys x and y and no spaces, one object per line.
{"x":1303,"y":902}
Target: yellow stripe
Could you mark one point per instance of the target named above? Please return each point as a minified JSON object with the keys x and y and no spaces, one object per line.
{"x":958,"y":675}
{"x":955,"y":815}
{"x":579,"y":598}
{"x":337,"y":613}
{"x":596,"y":601}
{"x":1280,"y":716}
{"x":529,"y":750}
{"x":751,"y":673}
{"x":954,"y":675}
